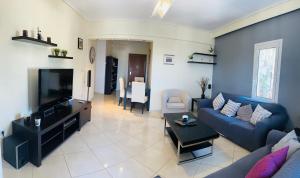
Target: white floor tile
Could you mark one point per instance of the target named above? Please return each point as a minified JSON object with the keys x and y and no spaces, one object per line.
{"x":130,"y":169}
{"x":82,"y":163}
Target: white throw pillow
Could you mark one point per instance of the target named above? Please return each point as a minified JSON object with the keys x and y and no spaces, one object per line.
{"x":218,"y":102}
{"x":174,"y":99}
{"x":230,"y":108}
{"x":259,"y":114}
{"x":290,"y":140}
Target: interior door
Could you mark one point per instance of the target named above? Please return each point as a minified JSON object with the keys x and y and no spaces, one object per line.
{"x":136,"y":66}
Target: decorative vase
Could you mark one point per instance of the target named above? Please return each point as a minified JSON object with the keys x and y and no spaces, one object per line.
{"x":203,"y":94}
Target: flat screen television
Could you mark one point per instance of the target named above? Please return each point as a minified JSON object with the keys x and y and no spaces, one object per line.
{"x":55,"y":85}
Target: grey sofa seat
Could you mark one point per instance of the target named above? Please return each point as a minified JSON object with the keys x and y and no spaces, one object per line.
{"x":238,"y":131}
{"x":240,"y":168}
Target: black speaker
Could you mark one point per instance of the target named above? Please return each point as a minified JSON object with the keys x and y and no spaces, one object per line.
{"x":15,"y":151}
{"x":89,"y":78}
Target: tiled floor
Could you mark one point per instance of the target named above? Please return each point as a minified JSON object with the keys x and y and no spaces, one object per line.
{"x":121,"y":144}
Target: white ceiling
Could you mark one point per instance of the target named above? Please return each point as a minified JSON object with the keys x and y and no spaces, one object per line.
{"x":206,"y":14}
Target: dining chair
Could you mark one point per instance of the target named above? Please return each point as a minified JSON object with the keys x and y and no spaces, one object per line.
{"x":139,"y":79}
{"x":138,"y":95}
{"x":123,"y":91}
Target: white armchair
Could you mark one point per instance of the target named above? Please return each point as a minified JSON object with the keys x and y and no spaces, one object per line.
{"x":175,"y":101}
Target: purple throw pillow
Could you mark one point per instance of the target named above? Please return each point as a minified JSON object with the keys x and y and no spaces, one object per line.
{"x":269,"y":164}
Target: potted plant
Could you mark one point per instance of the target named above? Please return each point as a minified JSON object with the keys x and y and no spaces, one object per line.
{"x":64,"y":53}
{"x":56,"y":51}
{"x":203,"y":84}
{"x":211,"y":50}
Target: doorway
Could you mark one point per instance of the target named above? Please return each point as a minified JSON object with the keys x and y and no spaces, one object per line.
{"x":137,"y":64}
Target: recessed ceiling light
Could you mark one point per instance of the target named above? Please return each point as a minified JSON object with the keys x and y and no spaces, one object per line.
{"x":162,"y":8}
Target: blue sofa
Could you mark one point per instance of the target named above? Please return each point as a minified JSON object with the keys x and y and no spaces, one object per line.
{"x":241,"y":132}
{"x":240,"y":168}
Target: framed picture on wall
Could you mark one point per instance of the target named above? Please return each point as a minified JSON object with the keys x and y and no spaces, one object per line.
{"x":169,"y":59}
{"x":80,"y":43}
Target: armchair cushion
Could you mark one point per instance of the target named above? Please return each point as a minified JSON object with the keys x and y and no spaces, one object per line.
{"x":175,"y":105}
{"x":174,"y":99}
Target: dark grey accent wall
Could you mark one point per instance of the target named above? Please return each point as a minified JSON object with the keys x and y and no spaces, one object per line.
{"x":233,"y":73}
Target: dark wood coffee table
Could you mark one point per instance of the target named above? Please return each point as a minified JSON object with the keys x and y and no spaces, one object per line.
{"x":189,"y":138}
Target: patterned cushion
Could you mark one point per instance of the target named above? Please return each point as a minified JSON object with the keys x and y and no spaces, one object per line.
{"x":245,"y":112}
{"x":218,"y":102}
{"x":230,"y":108}
{"x":290,"y":140}
{"x":259,"y":114}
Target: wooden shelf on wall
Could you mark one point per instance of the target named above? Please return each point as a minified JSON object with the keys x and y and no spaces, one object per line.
{"x":60,"y":57}
{"x":204,"y":54}
{"x":196,"y":62}
{"x":33,"y":41}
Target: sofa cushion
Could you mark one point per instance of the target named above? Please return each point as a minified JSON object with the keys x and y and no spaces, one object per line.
{"x":218,"y":102}
{"x":230,"y":108}
{"x":245,"y":112}
{"x":243,"y":129}
{"x":216,"y":120}
{"x":175,"y":105}
{"x":240,"y":168}
{"x":174,"y":99}
{"x":268,"y":165}
{"x":259,"y":114}
{"x":290,"y":167}
{"x":290,"y":140}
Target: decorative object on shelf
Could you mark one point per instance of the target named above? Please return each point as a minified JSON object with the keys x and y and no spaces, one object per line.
{"x":169,"y":59}
{"x":92,"y":55}
{"x":49,"y":39}
{"x":211,"y":50}
{"x":64,"y":53}
{"x":39,"y":35}
{"x":80,"y":43}
{"x":25,"y":33}
{"x":56,"y":51}
{"x":37,"y":121}
{"x":203,"y":84}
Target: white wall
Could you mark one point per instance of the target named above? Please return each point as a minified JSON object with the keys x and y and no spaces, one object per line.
{"x":121,"y":50}
{"x":19,"y":60}
{"x":167,"y":39}
{"x":101,"y":49}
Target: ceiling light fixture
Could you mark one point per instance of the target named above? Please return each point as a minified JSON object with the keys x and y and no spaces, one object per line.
{"x":162,"y":8}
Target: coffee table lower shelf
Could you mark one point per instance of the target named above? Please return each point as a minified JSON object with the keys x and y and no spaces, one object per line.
{"x":189,"y":148}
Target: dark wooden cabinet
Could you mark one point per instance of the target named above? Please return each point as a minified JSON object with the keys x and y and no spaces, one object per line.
{"x":85,"y":114}
{"x":54,"y":129}
{"x":111,"y":75}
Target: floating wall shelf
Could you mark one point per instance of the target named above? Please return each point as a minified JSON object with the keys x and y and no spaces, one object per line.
{"x":204,"y":54}
{"x":60,"y":57}
{"x":33,"y":41}
{"x":196,"y":62}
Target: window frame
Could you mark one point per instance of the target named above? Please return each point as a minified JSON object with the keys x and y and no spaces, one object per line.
{"x":267,"y":45}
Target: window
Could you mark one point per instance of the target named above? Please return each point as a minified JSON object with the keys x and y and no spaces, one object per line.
{"x":266,"y":70}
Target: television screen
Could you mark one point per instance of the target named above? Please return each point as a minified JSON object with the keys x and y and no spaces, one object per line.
{"x":55,"y":85}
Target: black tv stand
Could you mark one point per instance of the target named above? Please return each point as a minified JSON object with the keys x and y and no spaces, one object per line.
{"x":54,"y":129}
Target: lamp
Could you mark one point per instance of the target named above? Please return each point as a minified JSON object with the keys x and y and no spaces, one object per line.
{"x":162,"y":8}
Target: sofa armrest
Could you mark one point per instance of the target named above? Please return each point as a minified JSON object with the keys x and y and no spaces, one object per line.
{"x":262,"y":128}
{"x":274,"y":136}
{"x":187,"y":100}
{"x":205,"y":103}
